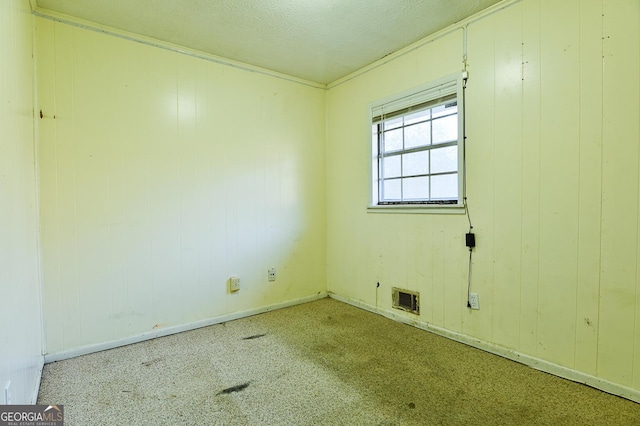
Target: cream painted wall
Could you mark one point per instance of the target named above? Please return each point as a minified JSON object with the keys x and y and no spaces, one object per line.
{"x":161,"y":176}
{"x":553,"y":163}
{"x":20,"y":311}
{"x":156,"y":188}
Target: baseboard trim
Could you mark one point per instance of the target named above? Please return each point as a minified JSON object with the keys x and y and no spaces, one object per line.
{"x":88,"y":349}
{"x":536,"y":363}
{"x":36,"y":389}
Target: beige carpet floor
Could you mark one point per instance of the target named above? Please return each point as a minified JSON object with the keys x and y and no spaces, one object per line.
{"x":320,"y":363}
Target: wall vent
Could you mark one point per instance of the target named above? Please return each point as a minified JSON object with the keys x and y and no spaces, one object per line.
{"x":406,"y":300}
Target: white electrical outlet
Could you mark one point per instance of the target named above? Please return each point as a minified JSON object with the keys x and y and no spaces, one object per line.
{"x":234,"y":284}
{"x":474,"y":301}
{"x":272,"y":274}
{"x":7,"y":393}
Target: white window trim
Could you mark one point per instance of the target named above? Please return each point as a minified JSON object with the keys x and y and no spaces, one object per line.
{"x":453,"y":83}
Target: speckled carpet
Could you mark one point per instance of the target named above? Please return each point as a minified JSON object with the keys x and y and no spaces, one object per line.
{"x":320,"y":363}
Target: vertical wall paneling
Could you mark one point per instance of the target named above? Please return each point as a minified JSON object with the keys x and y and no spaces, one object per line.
{"x":89,"y":117}
{"x":552,"y":182}
{"x":618,"y":277}
{"x":530,"y":199}
{"x":164,"y":189}
{"x":66,"y":229}
{"x":49,"y":237}
{"x":454,"y":247}
{"x":162,"y":176}
{"x":634,"y":15}
{"x":133,"y":90}
{"x":115,"y":270}
{"x":481,"y":161}
{"x":559,"y":47}
{"x":507,"y":177}
{"x":437,"y":249}
{"x":193,"y":256}
{"x":415,"y":252}
{"x":420,"y":268}
{"x":20,"y":299}
{"x":590,"y":173}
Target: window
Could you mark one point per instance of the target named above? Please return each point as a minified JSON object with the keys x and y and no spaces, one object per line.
{"x":417,"y":147}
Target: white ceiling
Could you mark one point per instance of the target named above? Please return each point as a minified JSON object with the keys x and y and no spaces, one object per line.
{"x":316,"y":40}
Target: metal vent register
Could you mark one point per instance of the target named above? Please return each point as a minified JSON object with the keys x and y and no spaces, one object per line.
{"x":406,"y":300}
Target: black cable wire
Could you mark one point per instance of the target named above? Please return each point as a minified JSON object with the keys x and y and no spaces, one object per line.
{"x":466,"y":206}
{"x":469,"y":281}
{"x":466,"y":210}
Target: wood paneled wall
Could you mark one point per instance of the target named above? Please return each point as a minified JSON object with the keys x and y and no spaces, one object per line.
{"x":162,"y":176}
{"x":553,"y":133}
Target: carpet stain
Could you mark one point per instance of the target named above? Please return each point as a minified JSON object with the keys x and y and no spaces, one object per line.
{"x":255,"y":336}
{"x":233,"y":389}
{"x":328,"y":321}
{"x":151,"y":362}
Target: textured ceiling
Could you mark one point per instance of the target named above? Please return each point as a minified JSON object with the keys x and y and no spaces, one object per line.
{"x":316,"y":40}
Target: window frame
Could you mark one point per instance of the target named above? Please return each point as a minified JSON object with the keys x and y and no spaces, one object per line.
{"x":450,"y":85}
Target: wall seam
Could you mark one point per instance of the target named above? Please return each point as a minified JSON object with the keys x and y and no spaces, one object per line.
{"x":601,"y":190}
{"x":579,"y":129}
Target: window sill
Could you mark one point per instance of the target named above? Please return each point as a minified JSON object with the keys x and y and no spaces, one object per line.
{"x":418,"y":209}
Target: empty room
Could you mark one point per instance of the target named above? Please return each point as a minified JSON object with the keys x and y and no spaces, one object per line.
{"x":318,"y":212}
